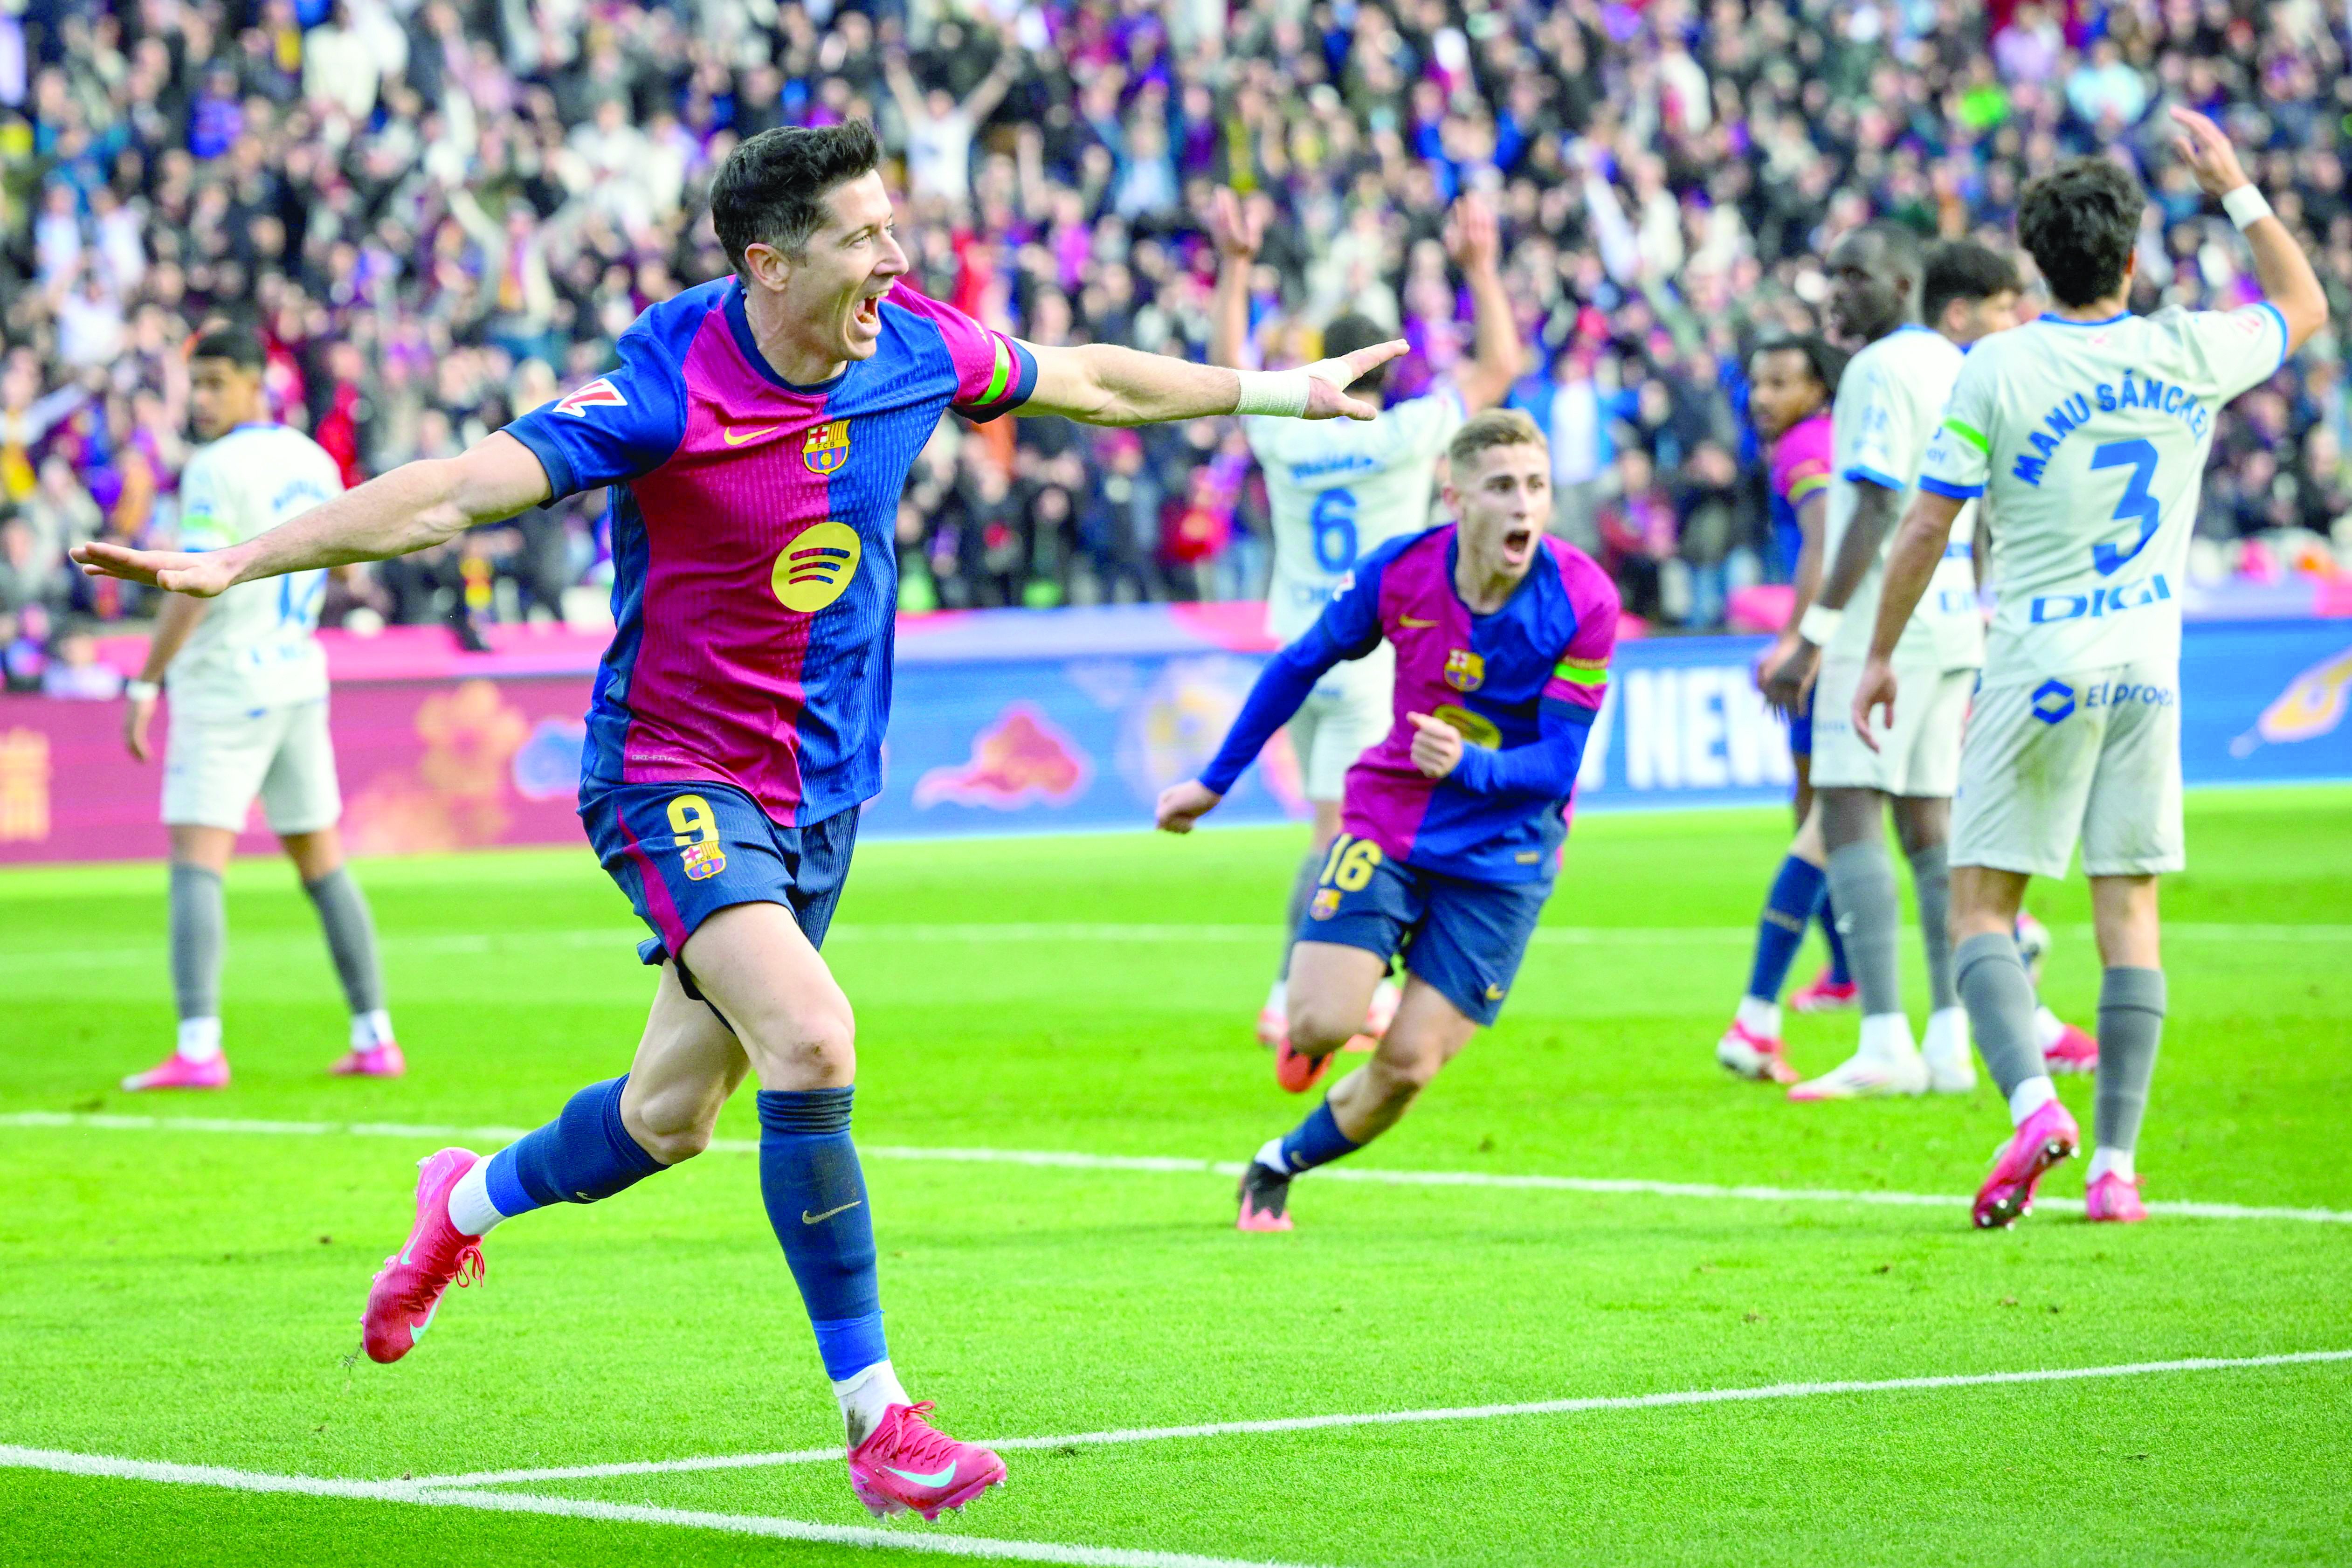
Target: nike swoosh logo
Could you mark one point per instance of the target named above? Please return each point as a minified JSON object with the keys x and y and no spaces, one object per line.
{"x":735,"y":437}
{"x":808,"y":1218}
{"x":1413,"y":621}
{"x":936,"y":1478}
{"x":406,"y":1260}
{"x":417,"y":1330}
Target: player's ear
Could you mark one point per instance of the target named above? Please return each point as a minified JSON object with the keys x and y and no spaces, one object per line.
{"x":768,"y":268}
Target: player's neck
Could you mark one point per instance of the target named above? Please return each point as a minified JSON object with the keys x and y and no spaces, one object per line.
{"x":2105,"y":309}
{"x":1484,"y":586}
{"x":1892,"y":327}
{"x":795,"y":361}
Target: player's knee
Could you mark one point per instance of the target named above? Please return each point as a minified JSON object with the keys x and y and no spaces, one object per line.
{"x":1317,"y":1029}
{"x":816,"y":1052}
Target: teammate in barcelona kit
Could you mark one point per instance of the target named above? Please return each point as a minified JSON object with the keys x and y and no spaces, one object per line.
{"x":1453,"y":822}
{"x":248,"y":688}
{"x":756,"y":437}
{"x":1791,"y":383}
{"x":1887,"y":403}
{"x":1339,"y":491}
{"x":2087,"y":430}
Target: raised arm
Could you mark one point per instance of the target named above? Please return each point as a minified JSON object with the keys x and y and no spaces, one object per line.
{"x":1236,"y":230}
{"x":1475,"y":240}
{"x":991,"y":89}
{"x":2288,"y":279}
{"x":1102,"y":384}
{"x":1919,"y":547}
{"x":416,"y":505}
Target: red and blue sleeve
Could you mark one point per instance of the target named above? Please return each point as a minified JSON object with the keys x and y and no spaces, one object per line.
{"x":994,"y":372}
{"x":623,"y":425}
{"x":1546,"y":768}
{"x":1349,"y":628}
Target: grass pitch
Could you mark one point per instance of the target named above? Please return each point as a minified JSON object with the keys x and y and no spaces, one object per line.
{"x":186,"y":1297}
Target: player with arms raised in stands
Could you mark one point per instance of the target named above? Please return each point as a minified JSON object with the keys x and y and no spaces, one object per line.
{"x":2088,"y":431}
{"x":1338,"y":492}
{"x":1453,"y":827}
{"x":1887,"y":404}
{"x":248,"y":688}
{"x":1791,"y":383}
{"x":757,"y":435}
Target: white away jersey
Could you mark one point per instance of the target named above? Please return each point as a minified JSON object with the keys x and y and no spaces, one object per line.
{"x":254,"y":647}
{"x":1888,"y":403}
{"x":2089,"y":439}
{"x":1340,"y":488}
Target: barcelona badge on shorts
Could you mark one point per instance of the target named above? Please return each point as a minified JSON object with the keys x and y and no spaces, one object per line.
{"x":704,"y":860}
{"x":1326,"y":904}
{"x":1464,"y":670}
{"x":827,"y":447}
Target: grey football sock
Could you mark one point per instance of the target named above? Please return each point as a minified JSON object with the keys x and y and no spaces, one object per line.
{"x":199,"y":931}
{"x":1991,"y":981}
{"x":350,"y":936}
{"x":1861,"y":887}
{"x":2131,"y":1023}
{"x":1931,"y":880}
{"x":1302,"y":889}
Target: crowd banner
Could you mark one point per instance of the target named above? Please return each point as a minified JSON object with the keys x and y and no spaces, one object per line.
{"x":1019,"y":721}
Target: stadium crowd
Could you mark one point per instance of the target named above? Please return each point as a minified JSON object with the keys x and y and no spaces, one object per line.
{"x":442,"y":212}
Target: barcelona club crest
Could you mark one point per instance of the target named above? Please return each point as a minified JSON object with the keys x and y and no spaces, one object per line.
{"x":702,"y":860}
{"x":1464,"y":670}
{"x":827,"y":447}
{"x":1326,"y":904}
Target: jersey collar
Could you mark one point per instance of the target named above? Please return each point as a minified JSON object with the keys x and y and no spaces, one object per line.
{"x":2058,"y":321}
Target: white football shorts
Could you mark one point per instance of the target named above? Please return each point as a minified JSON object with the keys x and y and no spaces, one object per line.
{"x":1919,"y":754}
{"x":214,"y":767}
{"x":2092,"y":757}
{"x":1347,"y":714}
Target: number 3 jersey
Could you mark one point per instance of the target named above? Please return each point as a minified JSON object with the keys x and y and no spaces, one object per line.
{"x":2088,"y":440}
{"x":755,"y":578}
{"x":1341,"y":489}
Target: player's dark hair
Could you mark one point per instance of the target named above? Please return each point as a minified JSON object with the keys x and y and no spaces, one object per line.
{"x":771,"y":189}
{"x":1344,"y":334}
{"x":2080,"y":221}
{"x":1963,"y":269}
{"x":1827,"y":360}
{"x":241,"y":346}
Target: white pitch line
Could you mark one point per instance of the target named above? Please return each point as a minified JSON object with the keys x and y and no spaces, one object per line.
{"x":1774,"y":1391}
{"x":1165,"y":1164}
{"x":100,"y":1465}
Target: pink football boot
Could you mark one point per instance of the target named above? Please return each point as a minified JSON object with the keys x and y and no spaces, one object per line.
{"x":1825,"y":996}
{"x":2074,"y":1051}
{"x":378,"y":1061}
{"x":408,"y":1288}
{"x":1379,"y":1017}
{"x":2115,"y":1200}
{"x":2042,"y":1140}
{"x":1265,"y":1198}
{"x":906,"y":1463}
{"x":1752,"y":1055}
{"x":176,"y":1071}
{"x":1297,"y":1072}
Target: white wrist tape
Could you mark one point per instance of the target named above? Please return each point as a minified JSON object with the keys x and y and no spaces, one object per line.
{"x":141,"y":691}
{"x":2245,"y":205}
{"x":1820,"y":623}
{"x":1280,"y":392}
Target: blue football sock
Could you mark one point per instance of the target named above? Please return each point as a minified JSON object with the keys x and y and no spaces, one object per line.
{"x":1316,"y":1141}
{"x":1788,"y":910}
{"x":817,"y":1202}
{"x":1839,"y":974}
{"x":582,"y":1156}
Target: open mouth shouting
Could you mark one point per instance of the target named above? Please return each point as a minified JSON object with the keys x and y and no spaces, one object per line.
{"x":1519,"y":544}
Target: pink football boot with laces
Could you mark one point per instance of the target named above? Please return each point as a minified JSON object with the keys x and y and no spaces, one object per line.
{"x":1825,"y":996}
{"x":176,"y":1071}
{"x":2115,"y":1200}
{"x":409,"y":1287}
{"x":2041,"y":1141}
{"x":906,"y":1463}
{"x":2074,"y":1051}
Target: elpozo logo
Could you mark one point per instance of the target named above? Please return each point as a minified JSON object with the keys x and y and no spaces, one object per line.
{"x":2053,"y":701}
{"x":816,"y":567}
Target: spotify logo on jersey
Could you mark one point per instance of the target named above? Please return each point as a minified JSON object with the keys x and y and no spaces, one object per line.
{"x":815,"y":567}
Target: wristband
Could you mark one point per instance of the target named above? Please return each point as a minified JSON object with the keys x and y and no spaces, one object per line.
{"x":1278,"y":392}
{"x":2245,"y":205}
{"x":141,"y":691}
{"x":1820,"y":625}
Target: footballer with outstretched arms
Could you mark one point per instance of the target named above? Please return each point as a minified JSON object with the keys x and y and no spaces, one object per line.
{"x":1339,"y":491}
{"x":756,"y":437}
{"x":247,"y":683}
{"x":2087,"y":431}
{"x":1451,"y":834}
{"x":1791,"y":383}
{"x":1887,"y":403}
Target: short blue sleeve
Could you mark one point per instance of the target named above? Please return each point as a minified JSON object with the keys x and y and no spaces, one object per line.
{"x":625,"y":422}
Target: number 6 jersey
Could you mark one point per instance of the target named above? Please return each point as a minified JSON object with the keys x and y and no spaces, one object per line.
{"x":2088,"y":439}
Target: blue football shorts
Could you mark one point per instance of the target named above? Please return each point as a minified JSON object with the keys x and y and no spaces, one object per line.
{"x":1466,"y":938}
{"x":684,"y":851}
